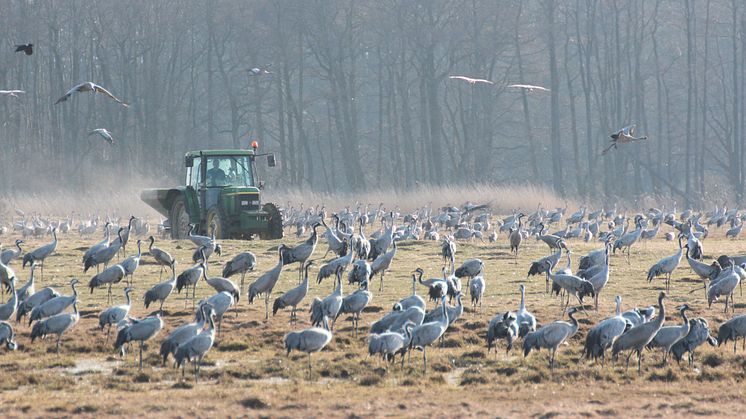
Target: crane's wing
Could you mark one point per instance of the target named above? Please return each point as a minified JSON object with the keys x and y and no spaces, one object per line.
{"x":105,"y":92}
{"x":11,"y":92}
{"x":529,"y":87}
{"x":460,"y":78}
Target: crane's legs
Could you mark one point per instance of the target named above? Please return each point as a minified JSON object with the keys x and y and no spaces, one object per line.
{"x":194,"y":292}
{"x":59,"y":338}
{"x":309,"y":366}
{"x":140,"y":355}
{"x":160,"y":310}
{"x":266,"y":307}
{"x":424,"y":357}
{"x":639,"y":361}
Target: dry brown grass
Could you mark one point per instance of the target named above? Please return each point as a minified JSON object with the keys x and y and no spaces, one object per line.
{"x":247,"y":373}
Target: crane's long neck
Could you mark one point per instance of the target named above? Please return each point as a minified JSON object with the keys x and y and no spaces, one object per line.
{"x":661,"y":313}
{"x":139,"y":249}
{"x":618,"y":306}
{"x":522,"y":307}
{"x":75,"y":308}
{"x":127,"y":296}
{"x":445,"y":311}
{"x":212,"y":323}
{"x":150,"y":247}
{"x":683,"y":316}
{"x":414,"y":285}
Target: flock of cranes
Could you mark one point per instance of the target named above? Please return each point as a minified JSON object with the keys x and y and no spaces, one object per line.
{"x":358,"y":257}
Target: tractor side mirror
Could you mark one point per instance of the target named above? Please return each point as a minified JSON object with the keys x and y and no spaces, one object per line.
{"x":271,"y":162}
{"x":260,"y":185}
{"x":189,"y":161}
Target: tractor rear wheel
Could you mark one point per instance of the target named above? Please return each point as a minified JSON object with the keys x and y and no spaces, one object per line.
{"x":217,"y":219}
{"x":179,"y":218}
{"x":274,"y":229}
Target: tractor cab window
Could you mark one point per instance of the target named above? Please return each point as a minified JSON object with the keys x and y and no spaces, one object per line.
{"x":229,"y":171}
{"x":193,"y":174}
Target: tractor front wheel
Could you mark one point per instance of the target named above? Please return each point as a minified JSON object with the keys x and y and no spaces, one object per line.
{"x":217,"y":220}
{"x":179,"y":218}
{"x":274,"y":229}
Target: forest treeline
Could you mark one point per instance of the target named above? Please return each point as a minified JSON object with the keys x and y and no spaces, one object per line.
{"x":359,"y":95}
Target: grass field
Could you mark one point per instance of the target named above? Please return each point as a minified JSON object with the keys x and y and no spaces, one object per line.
{"x":247,"y":373}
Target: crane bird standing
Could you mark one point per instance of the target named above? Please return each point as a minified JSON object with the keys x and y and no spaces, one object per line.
{"x":56,"y":325}
{"x":294,"y":296}
{"x":113,"y":315}
{"x":266,"y":283}
{"x":162,"y":258}
{"x":301,"y":252}
{"x":427,"y":333}
{"x":138,"y":330}
{"x":502,"y":326}
{"x":668,"y":336}
{"x":89,"y":87}
{"x":161,"y":291}
{"x":309,"y":340}
{"x":551,"y":336}
{"x":181,"y":334}
{"x":54,"y":305}
{"x":240,"y":264}
{"x":636,"y":338}
{"x":666,"y":266}
{"x":197,"y":346}
{"x":41,"y":253}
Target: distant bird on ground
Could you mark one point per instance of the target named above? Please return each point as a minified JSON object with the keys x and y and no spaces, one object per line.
{"x":28,"y":49}
{"x":56,"y":325}
{"x":551,"y":336}
{"x":309,"y":340}
{"x":104,"y":133}
{"x":181,"y":334}
{"x":113,"y":315}
{"x":89,"y":87}
{"x":35,"y":299}
{"x":732,"y":330}
{"x":11,"y":93}
{"x":502,"y":326}
{"x":623,"y":136}
{"x":529,"y":87}
{"x":471,"y":81}
{"x":636,"y":338}
{"x":196,"y":347}
{"x":266,"y":283}
{"x":139,"y":330}
{"x":293,"y":297}
{"x":699,"y":333}
{"x":8,"y":255}
{"x":41,"y":253}
{"x":240,"y":264}
{"x":54,"y":305}
{"x":161,"y":257}
{"x":524,"y":319}
{"x":161,"y":291}
{"x":355,"y":303}
{"x":669,"y":335}
{"x":427,"y":333}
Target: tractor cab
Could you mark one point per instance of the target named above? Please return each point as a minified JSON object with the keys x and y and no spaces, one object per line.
{"x":221,"y":195}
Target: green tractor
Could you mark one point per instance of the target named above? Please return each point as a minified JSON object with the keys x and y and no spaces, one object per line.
{"x":221,"y":195}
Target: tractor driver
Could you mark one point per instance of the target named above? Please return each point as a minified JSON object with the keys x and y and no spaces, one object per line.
{"x":216,"y":175}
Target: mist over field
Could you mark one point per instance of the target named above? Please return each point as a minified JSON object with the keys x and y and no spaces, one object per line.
{"x":360,"y":96}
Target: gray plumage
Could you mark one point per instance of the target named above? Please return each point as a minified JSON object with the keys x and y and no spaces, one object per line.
{"x":469,"y":269}
{"x":309,"y":340}
{"x":196,"y":347}
{"x":240,"y":264}
{"x":551,"y":336}
{"x":131,"y":263}
{"x":502,"y":326}
{"x":361,"y":271}
{"x":413,"y":300}
{"x":189,"y":278}
{"x":180,"y":335}
{"x":666,"y":266}
{"x":56,"y":325}
{"x":382,"y":263}
{"x":266,"y":283}
{"x":293,"y":297}
{"x":328,"y":308}
{"x":7,"y":335}
{"x":390,"y":344}
{"x":105,"y":255}
{"x":10,"y":306}
{"x":222,"y":284}
{"x":724,"y":284}
{"x":161,"y":257}
{"x":8,"y":255}
{"x":54,"y":305}
{"x":301,"y":252}
{"x":636,"y":338}
{"x":355,"y":303}
{"x":454,"y":313}
{"x":41,"y":253}
{"x":100,"y":245}
{"x":524,"y":319}
{"x":395,"y":320}
{"x":602,"y":336}
{"x":669,"y":335}
{"x":160,"y":292}
{"x":198,"y":240}
{"x":427,"y":333}
{"x":573,"y":285}
{"x":35,"y":299}
{"x":220,"y":303}
{"x":108,"y":277}
{"x":29,"y":288}
{"x":436,"y":287}
{"x":732,"y":330}
{"x":699,"y":333}
{"x":138,"y":331}
{"x":476,"y":291}
{"x":114,"y":315}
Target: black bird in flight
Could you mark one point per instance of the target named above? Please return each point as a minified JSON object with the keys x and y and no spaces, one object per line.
{"x":27,"y":48}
